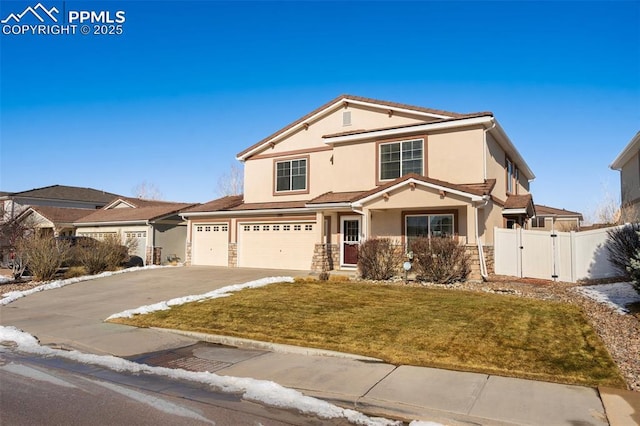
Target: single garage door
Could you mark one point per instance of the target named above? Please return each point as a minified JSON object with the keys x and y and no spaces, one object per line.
{"x":286,"y":245}
{"x":139,"y":241}
{"x":210,"y":244}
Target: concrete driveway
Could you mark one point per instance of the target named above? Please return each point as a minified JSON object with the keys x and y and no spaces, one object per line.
{"x":72,"y":316}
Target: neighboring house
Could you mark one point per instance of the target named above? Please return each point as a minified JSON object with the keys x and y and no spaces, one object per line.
{"x":550,"y":218}
{"x":67,"y":198}
{"x":155,"y":227}
{"x":53,"y":221}
{"x":358,"y":168}
{"x":14,"y":203}
{"x":628,"y":163}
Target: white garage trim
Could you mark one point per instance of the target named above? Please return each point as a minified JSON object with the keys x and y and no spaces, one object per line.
{"x":210,"y":244}
{"x":272,"y":244}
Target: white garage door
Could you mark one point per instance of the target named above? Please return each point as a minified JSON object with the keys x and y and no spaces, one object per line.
{"x":286,"y":245}
{"x":139,"y":240}
{"x":210,"y":244}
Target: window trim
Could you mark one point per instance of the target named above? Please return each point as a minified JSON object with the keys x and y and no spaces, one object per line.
{"x":379,"y":180}
{"x":289,"y":160}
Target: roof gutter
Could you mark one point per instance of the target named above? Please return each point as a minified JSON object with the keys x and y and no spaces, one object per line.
{"x":328,"y":206}
{"x":124,"y":222}
{"x":226,"y":213}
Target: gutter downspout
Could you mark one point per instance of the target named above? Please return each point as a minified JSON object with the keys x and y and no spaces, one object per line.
{"x":484,"y":148}
{"x":483,"y":263}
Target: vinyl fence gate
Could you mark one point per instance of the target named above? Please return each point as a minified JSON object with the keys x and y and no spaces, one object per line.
{"x":549,"y":255}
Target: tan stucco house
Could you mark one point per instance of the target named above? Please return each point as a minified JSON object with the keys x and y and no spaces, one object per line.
{"x":357,"y":168}
{"x":156,"y":227}
{"x":628,"y":163}
{"x":53,"y":221}
{"x":555,"y":219}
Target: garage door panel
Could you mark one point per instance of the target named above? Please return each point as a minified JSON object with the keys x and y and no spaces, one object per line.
{"x":210,"y":244}
{"x":286,"y":245}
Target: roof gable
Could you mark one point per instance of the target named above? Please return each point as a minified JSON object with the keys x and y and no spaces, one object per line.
{"x":143,"y":210}
{"x":345,"y":100}
{"x":475,"y":192}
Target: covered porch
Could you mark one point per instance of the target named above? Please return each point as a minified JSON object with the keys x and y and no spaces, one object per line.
{"x":409,"y":208}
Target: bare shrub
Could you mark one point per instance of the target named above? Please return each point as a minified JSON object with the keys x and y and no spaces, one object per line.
{"x":622,"y":245}
{"x":75,"y":271}
{"x":379,"y":259}
{"x":441,"y":260}
{"x":42,"y":256}
{"x":105,"y":255}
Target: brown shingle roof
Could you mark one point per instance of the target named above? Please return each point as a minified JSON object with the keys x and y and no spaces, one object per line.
{"x":148,"y":211}
{"x":72,"y":193}
{"x":337,"y":197}
{"x":346,"y":98}
{"x":62,"y":214}
{"x":542,"y":210}
{"x":472,"y":188}
{"x":518,"y":201}
{"x":483,"y":188}
{"x":223,"y":203}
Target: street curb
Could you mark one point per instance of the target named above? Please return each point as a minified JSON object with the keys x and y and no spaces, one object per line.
{"x":267,"y":346}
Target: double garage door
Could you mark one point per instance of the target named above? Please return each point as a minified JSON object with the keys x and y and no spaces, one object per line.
{"x":283,"y":245}
{"x":280,"y":245}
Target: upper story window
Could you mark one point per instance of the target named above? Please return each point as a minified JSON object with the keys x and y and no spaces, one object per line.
{"x":512,"y":176}
{"x":291,"y":175}
{"x":401,"y":158}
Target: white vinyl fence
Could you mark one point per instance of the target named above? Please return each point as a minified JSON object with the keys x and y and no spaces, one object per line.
{"x":561,"y":256}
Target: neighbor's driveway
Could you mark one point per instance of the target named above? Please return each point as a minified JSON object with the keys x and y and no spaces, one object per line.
{"x":72,"y":316}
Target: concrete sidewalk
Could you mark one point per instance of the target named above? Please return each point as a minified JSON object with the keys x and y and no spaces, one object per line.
{"x":400,"y":392}
{"x":72,"y":317}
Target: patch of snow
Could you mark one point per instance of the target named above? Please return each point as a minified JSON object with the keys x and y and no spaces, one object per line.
{"x":617,"y":295}
{"x":12,"y":296}
{"x":5,"y":279}
{"x":221,"y":292}
{"x":261,"y":391}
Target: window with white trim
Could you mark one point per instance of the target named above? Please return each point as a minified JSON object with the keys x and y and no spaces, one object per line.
{"x":401,"y":158}
{"x":428,"y":225}
{"x":537,"y":222}
{"x":513,"y":175}
{"x":291,"y":175}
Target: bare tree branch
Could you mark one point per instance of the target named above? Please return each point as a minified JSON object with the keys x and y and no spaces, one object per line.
{"x":147,"y":191}
{"x":231,"y":182}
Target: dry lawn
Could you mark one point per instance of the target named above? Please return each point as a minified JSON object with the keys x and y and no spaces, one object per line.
{"x":458,"y":330}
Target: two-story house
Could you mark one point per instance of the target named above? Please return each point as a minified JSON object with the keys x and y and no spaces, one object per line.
{"x":628,"y":163}
{"x":358,"y":168}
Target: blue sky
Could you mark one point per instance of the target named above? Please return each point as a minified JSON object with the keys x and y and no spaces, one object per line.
{"x":189,"y":84}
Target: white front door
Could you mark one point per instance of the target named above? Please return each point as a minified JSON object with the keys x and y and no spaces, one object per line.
{"x":350,"y":231}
